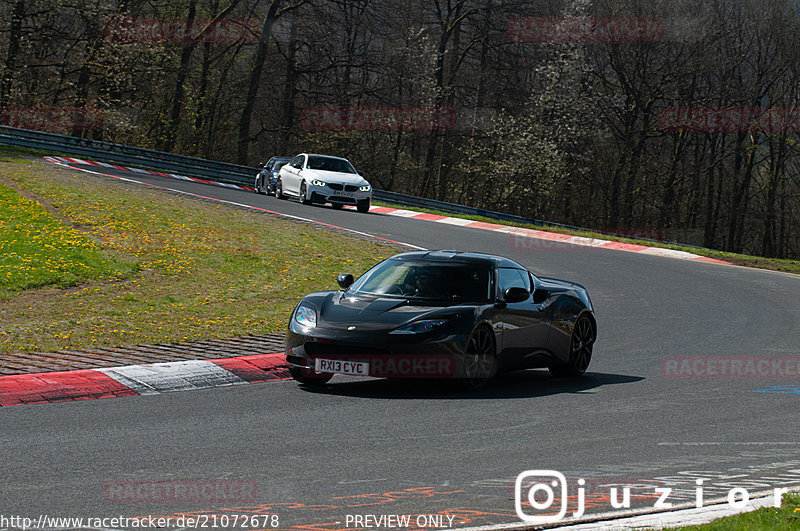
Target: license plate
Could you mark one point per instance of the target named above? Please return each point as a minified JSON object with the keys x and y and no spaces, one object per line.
{"x":355,"y":368}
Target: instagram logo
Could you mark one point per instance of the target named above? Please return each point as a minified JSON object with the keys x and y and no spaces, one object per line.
{"x":536,"y":489}
{"x":540,"y":485}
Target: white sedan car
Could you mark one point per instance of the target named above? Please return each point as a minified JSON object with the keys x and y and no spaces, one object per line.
{"x":323,"y":179}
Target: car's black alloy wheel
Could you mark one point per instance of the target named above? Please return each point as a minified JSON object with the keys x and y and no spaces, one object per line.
{"x":580,"y":350}
{"x":480,"y":359}
{"x":279,"y":190}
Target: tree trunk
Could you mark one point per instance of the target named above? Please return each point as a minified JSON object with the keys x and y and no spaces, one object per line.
{"x":14,"y":35}
{"x":180,"y":81}
{"x":289,"y":92}
{"x":243,"y":144}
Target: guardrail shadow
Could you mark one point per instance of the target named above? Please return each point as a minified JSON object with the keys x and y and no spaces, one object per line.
{"x":519,"y":384}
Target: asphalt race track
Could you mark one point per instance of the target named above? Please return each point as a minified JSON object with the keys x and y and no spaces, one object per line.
{"x":644,"y":415}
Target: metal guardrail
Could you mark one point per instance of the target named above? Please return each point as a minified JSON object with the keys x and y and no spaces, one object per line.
{"x":237,"y":174}
{"x":122,"y":154}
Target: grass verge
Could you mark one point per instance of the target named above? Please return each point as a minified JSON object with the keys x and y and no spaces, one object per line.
{"x":18,"y":155}
{"x":785,"y":517}
{"x":37,"y":249}
{"x":774,"y":264}
{"x":167,"y":268}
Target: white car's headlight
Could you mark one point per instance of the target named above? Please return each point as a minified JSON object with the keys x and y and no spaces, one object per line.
{"x":364,"y":188}
{"x":317,"y":182}
{"x":306,"y":315}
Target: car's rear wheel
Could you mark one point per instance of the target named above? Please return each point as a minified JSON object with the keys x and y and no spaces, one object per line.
{"x":480,"y":359}
{"x":303,"y":199}
{"x":363,"y":206}
{"x":580,"y":349}
{"x":258,"y":185}
{"x":304,"y":376}
{"x":279,"y":190}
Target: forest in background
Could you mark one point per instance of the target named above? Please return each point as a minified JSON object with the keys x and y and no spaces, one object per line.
{"x":675,"y":118}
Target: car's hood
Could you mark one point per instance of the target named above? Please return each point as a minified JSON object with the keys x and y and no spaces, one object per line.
{"x":335,"y":177}
{"x":340,"y":310}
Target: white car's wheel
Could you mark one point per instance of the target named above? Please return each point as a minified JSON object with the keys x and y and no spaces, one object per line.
{"x":303,"y":199}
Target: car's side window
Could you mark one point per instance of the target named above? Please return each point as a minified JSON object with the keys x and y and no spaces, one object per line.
{"x":512,"y":278}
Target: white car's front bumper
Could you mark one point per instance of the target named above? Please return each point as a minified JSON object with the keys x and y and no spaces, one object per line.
{"x":346,"y":194}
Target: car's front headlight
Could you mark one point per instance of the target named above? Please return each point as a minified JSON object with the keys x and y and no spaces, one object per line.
{"x":305,"y":315}
{"x":365,"y":188}
{"x":317,"y":182}
{"x":419,"y":327}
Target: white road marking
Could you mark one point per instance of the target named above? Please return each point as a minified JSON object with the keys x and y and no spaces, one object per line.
{"x":455,"y":221}
{"x":158,"y":378}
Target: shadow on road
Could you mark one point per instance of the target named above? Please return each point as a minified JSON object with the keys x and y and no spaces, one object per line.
{"x":521,"y":384}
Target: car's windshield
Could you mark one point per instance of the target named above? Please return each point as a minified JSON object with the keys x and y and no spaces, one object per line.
{"x":317,"y":162}
{"x":280,"y":164}
{"x":457,"y":282}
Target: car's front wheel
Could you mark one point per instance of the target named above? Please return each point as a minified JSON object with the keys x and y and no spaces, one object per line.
{"x":279,"y":190}
{"x":363,"y":206}
{"x":580,"y":349}
{"x":480,"y":359}
{"x":337,"y":206}
{"x":303,"y":376}
{"x":303,"y":199}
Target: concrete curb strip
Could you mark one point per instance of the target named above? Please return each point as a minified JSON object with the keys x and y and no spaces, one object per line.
{"x":136,"y":380}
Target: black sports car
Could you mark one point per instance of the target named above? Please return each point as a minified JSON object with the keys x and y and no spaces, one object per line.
{"x":441,"y":314}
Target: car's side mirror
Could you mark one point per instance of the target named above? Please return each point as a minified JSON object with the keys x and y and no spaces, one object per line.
{"x":361,"y":173}
{"x":345,"y":280}
{"x":540,"y":295}
{"x":512,"y":295}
